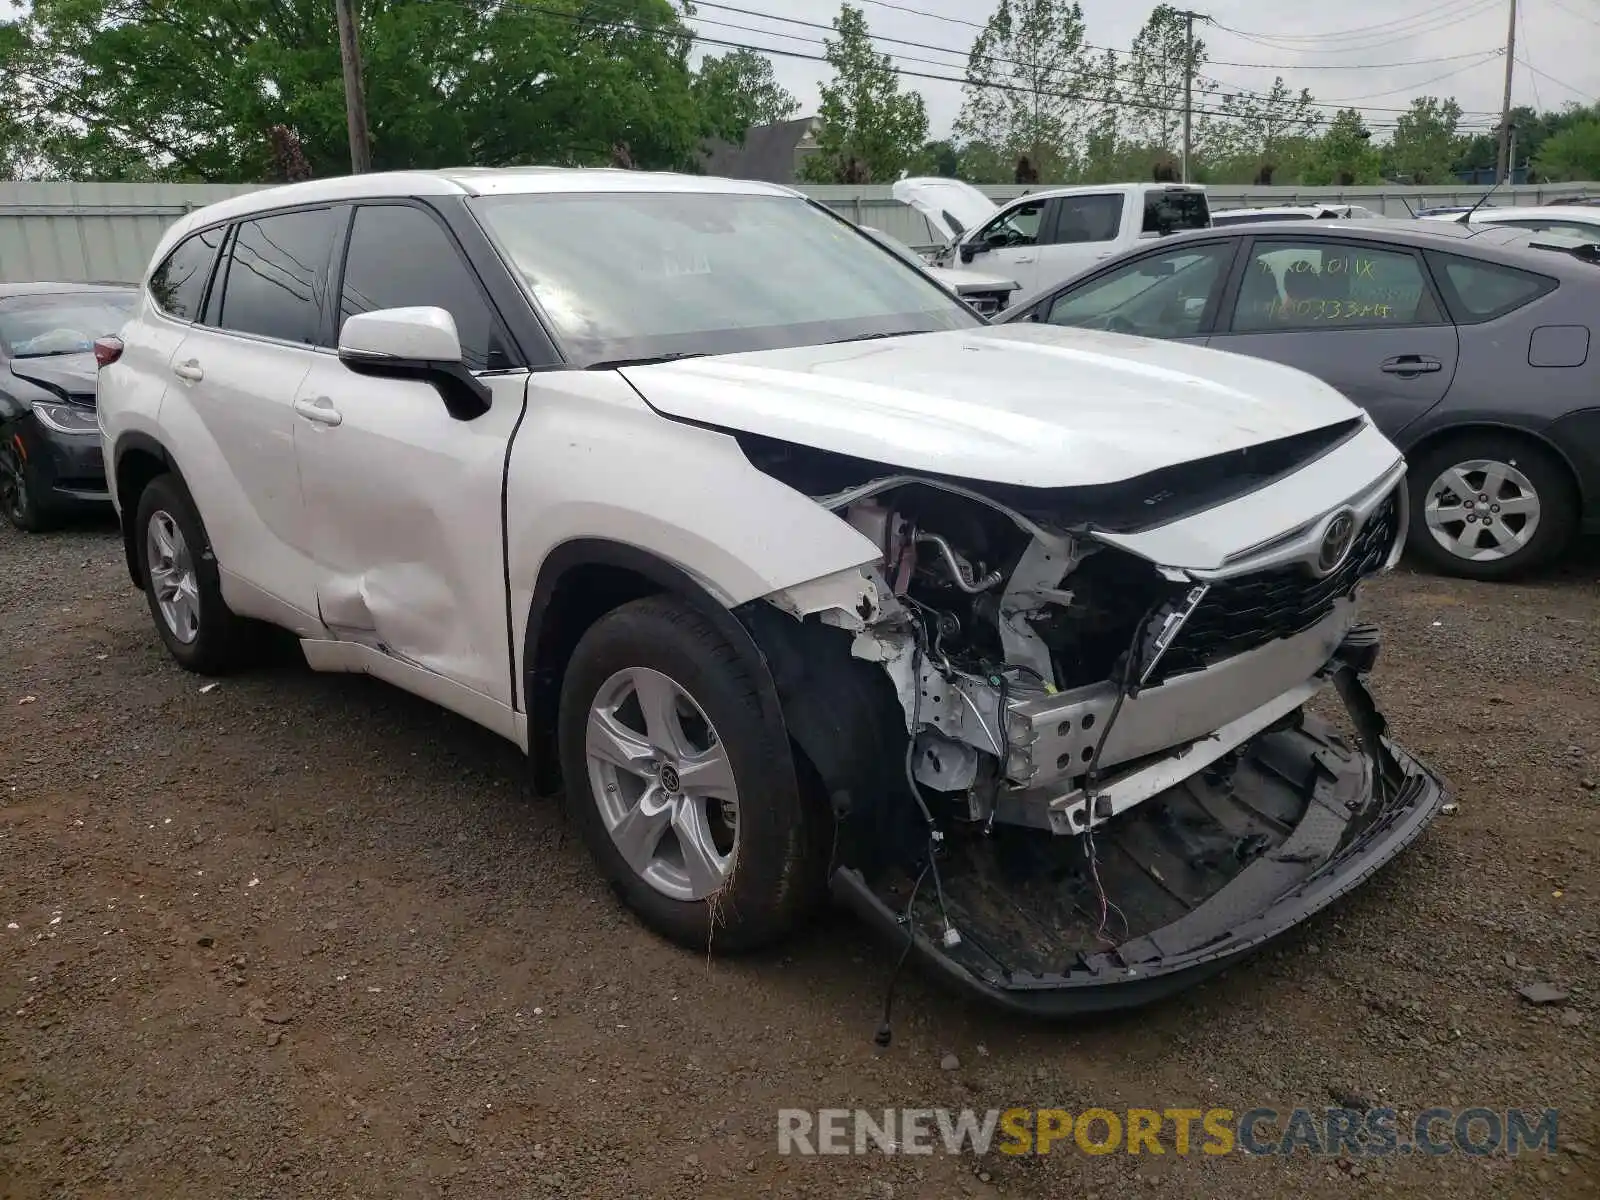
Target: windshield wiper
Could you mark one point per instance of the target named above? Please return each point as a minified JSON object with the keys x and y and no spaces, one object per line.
{"x":52,"y":354}
{"x":611,"y":364}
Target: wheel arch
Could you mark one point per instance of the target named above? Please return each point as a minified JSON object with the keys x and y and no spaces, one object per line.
{"x":137,"y":459}
{"x":579,"y":582}
{"x":1428,"y":439}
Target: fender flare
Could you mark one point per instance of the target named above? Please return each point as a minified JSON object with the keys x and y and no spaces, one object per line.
{"x":541,"y":678}
{"x":127,"y":443}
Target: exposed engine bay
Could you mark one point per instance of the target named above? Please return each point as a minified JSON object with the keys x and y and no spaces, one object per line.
{"x":1057,"y":764}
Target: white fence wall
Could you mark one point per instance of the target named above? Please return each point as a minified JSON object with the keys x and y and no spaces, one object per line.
{"x":105,"y":232}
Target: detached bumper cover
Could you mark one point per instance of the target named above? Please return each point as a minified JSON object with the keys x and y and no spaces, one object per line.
{"x":1361,"y":808}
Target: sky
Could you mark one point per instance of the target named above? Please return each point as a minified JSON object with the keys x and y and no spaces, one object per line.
{"x":1375,"y":54}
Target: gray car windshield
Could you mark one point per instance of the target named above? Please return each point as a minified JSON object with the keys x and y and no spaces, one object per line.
{"x":43,"y":326}
{"x":624,"y":276}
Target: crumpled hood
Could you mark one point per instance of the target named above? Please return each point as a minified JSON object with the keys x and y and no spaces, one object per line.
{"x":1031,"y":405}
{"x":65,"y":374}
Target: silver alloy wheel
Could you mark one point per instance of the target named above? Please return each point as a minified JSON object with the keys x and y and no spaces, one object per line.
{"x":172,"y":576}
{"x":1482,"y":510}
{"x":663,"y":783}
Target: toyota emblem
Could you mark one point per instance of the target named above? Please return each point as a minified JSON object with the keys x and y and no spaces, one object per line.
{"x":1337,"y":537}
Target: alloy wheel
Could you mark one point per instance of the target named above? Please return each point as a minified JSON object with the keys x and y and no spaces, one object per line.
{"x":1482,"y":510}
{"x":664,"y":783}
{"x":172,"y":576}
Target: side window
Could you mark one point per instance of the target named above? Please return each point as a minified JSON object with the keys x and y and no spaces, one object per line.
{"x":1540,"y":225}
{"x":1480,"y":291}
{"x":400,"y":257}
{"x":1162,"y":295}
{"x":1089,"y":218}
{"x":1017,"y":226}
{"x":179,"y":283}
{"x":1331,"y":285}
{"x":277,"y":276}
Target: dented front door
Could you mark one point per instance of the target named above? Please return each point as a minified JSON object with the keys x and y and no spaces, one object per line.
{"x":403,"y":506}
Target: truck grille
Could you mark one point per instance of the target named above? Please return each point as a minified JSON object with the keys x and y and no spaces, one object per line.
{"x":1252,"y":610}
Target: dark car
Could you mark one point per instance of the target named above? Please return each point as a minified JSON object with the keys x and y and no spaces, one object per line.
{"x":49,"y":435}
{"x":1472,"y":347}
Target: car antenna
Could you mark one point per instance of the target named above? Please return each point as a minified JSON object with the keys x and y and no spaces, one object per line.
{"x":1409,"y":209}
{"x":1466,"y":217}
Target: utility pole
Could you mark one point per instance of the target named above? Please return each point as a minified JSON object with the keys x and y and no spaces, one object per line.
{"x":1502,"y":166}
{"x":355,"y":99}
{"x":1189,"y":18}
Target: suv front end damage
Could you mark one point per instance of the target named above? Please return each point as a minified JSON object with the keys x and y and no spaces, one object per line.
{"x":1070,"y":754}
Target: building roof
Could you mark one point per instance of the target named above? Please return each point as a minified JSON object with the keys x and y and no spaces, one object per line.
{"x":768,"y":152}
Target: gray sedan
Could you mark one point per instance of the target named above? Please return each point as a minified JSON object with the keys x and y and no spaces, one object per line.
{"x":1470,"y":346}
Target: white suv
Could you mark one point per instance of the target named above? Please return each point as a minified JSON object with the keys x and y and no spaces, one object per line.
{"x":784,"y":566}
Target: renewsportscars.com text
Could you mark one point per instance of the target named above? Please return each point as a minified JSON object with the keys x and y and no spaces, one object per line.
{"x":1349,"y":1132}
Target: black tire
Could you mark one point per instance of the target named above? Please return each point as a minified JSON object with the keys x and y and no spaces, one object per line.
{"x":223,"y":642}
{"x":1551,"y":482}
{"x":18,"y":493}
{"x":779,"y":850}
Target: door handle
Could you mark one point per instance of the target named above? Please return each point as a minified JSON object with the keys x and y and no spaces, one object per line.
{"x":189,"y":371}
{"x":1023,"y":258}
{"x":1411,"y":364}
{"x":319,"y":409}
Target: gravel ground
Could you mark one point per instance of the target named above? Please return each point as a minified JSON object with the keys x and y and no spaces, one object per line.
{"x":305,"y":936}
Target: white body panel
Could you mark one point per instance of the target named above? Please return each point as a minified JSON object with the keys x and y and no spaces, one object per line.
{"x":1035,"y":405}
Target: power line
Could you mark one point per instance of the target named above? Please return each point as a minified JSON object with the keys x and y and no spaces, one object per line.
{"x":1493,"y":54}
{"x":1385,"y":32}
{"x":1572,"y":12}
{"x":1559,"y":83}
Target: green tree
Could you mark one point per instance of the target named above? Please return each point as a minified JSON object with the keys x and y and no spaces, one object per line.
{"x":1425,"y":144}
{"x":738,"y":90}
{"x":938,"y":157}
{"x":1029,"y":88}
{"x":870,"y":127}
{"x":1256,"y":130}
{"x":190,"y":89}
{"x":1344,"y":154}
{"x":1155,"y":74}
{"x":1571,"y":154}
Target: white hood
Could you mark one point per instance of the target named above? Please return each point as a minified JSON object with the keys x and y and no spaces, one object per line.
{"x":965,"y":283}
{"x":1034,"y":405}
{"x":946,"y":203}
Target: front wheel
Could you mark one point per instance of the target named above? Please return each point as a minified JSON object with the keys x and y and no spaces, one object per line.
{"x":17,"y":499}
{"x":1490,"y":506}
{"x":683,"y":789}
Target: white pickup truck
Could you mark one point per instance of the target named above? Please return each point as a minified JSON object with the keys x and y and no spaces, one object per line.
{"x":1044,"y":237}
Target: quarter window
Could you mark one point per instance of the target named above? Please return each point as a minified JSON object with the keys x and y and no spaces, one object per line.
{"x":1480,"y":291}
{"x":1331,"y":285}
{"x":277,"y":276}
{"x":179,"y":283}
{"x":400,"y":257}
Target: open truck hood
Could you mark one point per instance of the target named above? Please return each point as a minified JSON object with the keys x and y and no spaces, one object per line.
{"x":952,"y":207}
{"x":1030,"y":405}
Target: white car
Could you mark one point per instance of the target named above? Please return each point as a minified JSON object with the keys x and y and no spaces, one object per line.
{"x":1574,"y":219}
{"x":1294,"y":212}
{"x":986,"y":295}
{"x":788,"y":569}
{"x":1044,"y":237}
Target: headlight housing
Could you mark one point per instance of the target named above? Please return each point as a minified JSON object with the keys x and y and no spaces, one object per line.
{"x":67,"y":418}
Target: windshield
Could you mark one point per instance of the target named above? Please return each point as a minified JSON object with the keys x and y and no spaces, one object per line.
{"x":631,"y":275}
{"x":60,"y":323}
{"x":1174,"y":210}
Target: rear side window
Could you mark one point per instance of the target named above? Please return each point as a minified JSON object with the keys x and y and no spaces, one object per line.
{"x":1170,"y":212}
{"x":1475,"y":290}
{"x":1088,"y":219}
{"x":399,"y":257}
{"x":277,"y":276}
{"x":179,"y":283}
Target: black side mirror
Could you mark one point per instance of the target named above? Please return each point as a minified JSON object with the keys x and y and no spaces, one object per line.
{"x":970,"y":251}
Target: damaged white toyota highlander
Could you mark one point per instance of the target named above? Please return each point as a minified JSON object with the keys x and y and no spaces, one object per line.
{"x":792,"y":574}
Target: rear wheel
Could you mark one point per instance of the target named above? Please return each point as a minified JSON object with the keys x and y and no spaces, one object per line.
{"x":1490,"y":506}
{"x":684,"y":791}
{"x":182,"y":584}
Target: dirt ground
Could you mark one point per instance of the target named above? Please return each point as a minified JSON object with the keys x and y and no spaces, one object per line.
{"x":300,"y":936}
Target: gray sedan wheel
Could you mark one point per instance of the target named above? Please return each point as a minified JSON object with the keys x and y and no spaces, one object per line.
{"x":1487,"y":504}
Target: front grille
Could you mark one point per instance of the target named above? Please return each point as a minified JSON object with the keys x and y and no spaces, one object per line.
{"x":1252,"y":610}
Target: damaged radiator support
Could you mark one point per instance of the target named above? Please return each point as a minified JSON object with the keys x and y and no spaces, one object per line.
{"x":1162,"y":734}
